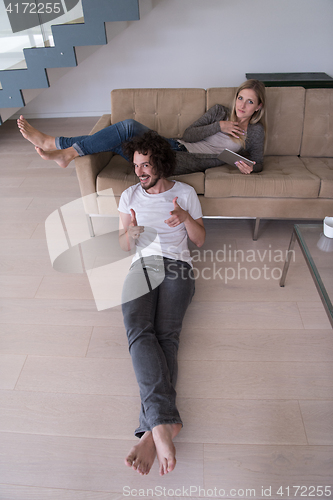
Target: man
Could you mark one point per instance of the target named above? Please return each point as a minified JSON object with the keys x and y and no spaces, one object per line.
{"x":154,"y":307}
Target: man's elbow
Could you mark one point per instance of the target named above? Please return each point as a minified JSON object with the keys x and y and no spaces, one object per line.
{"x":201,"y":239}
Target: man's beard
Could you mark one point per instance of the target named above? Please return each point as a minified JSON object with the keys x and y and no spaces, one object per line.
{"x":152,"y":183}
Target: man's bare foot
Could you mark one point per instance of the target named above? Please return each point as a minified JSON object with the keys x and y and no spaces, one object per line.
{"x":37,"y":138}
{"x":142,"y":455}
{"x":165,"y":449}
{"x":61,"y":156}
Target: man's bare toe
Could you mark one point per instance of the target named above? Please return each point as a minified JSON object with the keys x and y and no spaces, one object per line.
{"x":141,"y":457}
{"x":165,"y":449}
{"x":128,"y":461}
{"x":167,"y":464}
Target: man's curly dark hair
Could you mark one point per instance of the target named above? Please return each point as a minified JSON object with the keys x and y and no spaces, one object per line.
{"x":162,"y":157}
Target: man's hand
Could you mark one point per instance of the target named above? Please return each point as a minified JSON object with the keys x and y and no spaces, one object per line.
{"x":244,"y":167}
{"x":133,"y":229}
{"x":194,"y":228}
{"x":231,"y":128}
{"x":178,"y":215}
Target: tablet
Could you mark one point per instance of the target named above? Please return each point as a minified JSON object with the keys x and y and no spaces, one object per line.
{"x":231,"y":157}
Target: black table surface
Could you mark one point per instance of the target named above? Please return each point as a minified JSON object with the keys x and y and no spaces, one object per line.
{"x":307,"y":80}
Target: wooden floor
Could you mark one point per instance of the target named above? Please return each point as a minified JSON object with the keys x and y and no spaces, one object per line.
{"x":255,"y":387}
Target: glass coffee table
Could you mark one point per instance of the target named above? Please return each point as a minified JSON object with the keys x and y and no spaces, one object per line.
{"x":317,"y":250}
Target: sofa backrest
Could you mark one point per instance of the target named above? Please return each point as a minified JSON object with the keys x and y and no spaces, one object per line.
{"x":318,"y":124}
{"x":220,"y":95}
{"x":171,"y":111}
{"x":284,"y":117}
{"x":168,"y":111}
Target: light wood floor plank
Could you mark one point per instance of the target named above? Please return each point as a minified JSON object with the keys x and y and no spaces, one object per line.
{"x":88,"y":464}
{"x":69,"y":286}
{"x":45,"y":340}
{"x":266,"y":380}
{"x":78,"y":376}
{"x":232,"y":380}
{"x":10,"y":369}
{"x":9,"y":492}
{"x":227,"y":344}
{"x":313,"y":315}
{"x":19,"y":286}
{"x":248,"y":315}
{"x":318,"y":421}
{"x":18,"y":230}
{"x":254,"y":467}
{"x":252,"y":345}
{"x":108,"y":342}
{"x":205,"y":420}
{"x":57,"y":312}
{"x":241,"y":422}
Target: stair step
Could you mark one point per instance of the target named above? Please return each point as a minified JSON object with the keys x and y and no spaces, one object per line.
{"x":66,"y":37}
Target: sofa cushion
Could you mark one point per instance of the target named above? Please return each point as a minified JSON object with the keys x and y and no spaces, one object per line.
{"x":282,"y":177}
{"x":120,"y":175}
{"x":318,"y":123}
{"x":285,"y":112}
{"x":168,"y":111}
{"x":323,"y":168}
{"x":284,"y":116}
{"x":196,"y":180}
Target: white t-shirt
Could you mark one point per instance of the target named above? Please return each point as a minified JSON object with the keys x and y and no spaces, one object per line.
{"x":152,"y":210}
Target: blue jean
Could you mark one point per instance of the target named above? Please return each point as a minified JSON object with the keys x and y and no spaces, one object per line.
{"x":153,"y":323}
{"x":108,"y":139}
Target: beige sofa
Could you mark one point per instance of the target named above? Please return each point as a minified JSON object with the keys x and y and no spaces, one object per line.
{"x":297,"y":178}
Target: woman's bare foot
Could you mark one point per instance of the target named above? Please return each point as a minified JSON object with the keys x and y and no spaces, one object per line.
{"x":61,"y":156}
{"x":165,"y":449}
{"x":142,"y":455}
{"x":37,"y":138}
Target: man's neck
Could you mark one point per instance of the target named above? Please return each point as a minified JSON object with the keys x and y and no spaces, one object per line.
{"x":161,"y":186}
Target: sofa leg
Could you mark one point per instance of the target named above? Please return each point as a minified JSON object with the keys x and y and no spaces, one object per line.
{"x":256,"y":229}
{"x":90,"y":226}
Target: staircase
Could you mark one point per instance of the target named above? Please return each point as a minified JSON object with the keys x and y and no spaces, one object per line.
{"x":65,"y":37}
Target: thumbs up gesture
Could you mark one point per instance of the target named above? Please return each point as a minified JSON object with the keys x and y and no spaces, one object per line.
{"x":178,"y":215}
{"x":133,"y":229}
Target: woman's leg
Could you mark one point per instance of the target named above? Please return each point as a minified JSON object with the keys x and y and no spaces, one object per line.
{"x":37,"y":138}
{"x":63,"y":150}
{"x":108,"y":139}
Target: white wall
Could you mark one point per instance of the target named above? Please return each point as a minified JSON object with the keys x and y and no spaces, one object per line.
{"x":194,"y":43}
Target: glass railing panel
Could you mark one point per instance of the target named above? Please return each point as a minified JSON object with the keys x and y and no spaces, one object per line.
{"x":28,"y":24}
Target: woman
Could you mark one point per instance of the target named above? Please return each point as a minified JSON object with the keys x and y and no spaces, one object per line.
{"x":241,"y":129}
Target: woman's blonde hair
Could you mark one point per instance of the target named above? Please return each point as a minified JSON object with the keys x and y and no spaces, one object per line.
{"x":258,"y":116}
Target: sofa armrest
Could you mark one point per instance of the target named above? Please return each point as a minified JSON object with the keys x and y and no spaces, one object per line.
{"x":88,"y":167}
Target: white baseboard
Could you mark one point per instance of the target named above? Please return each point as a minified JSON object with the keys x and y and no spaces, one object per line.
{"x":83,"y":114}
